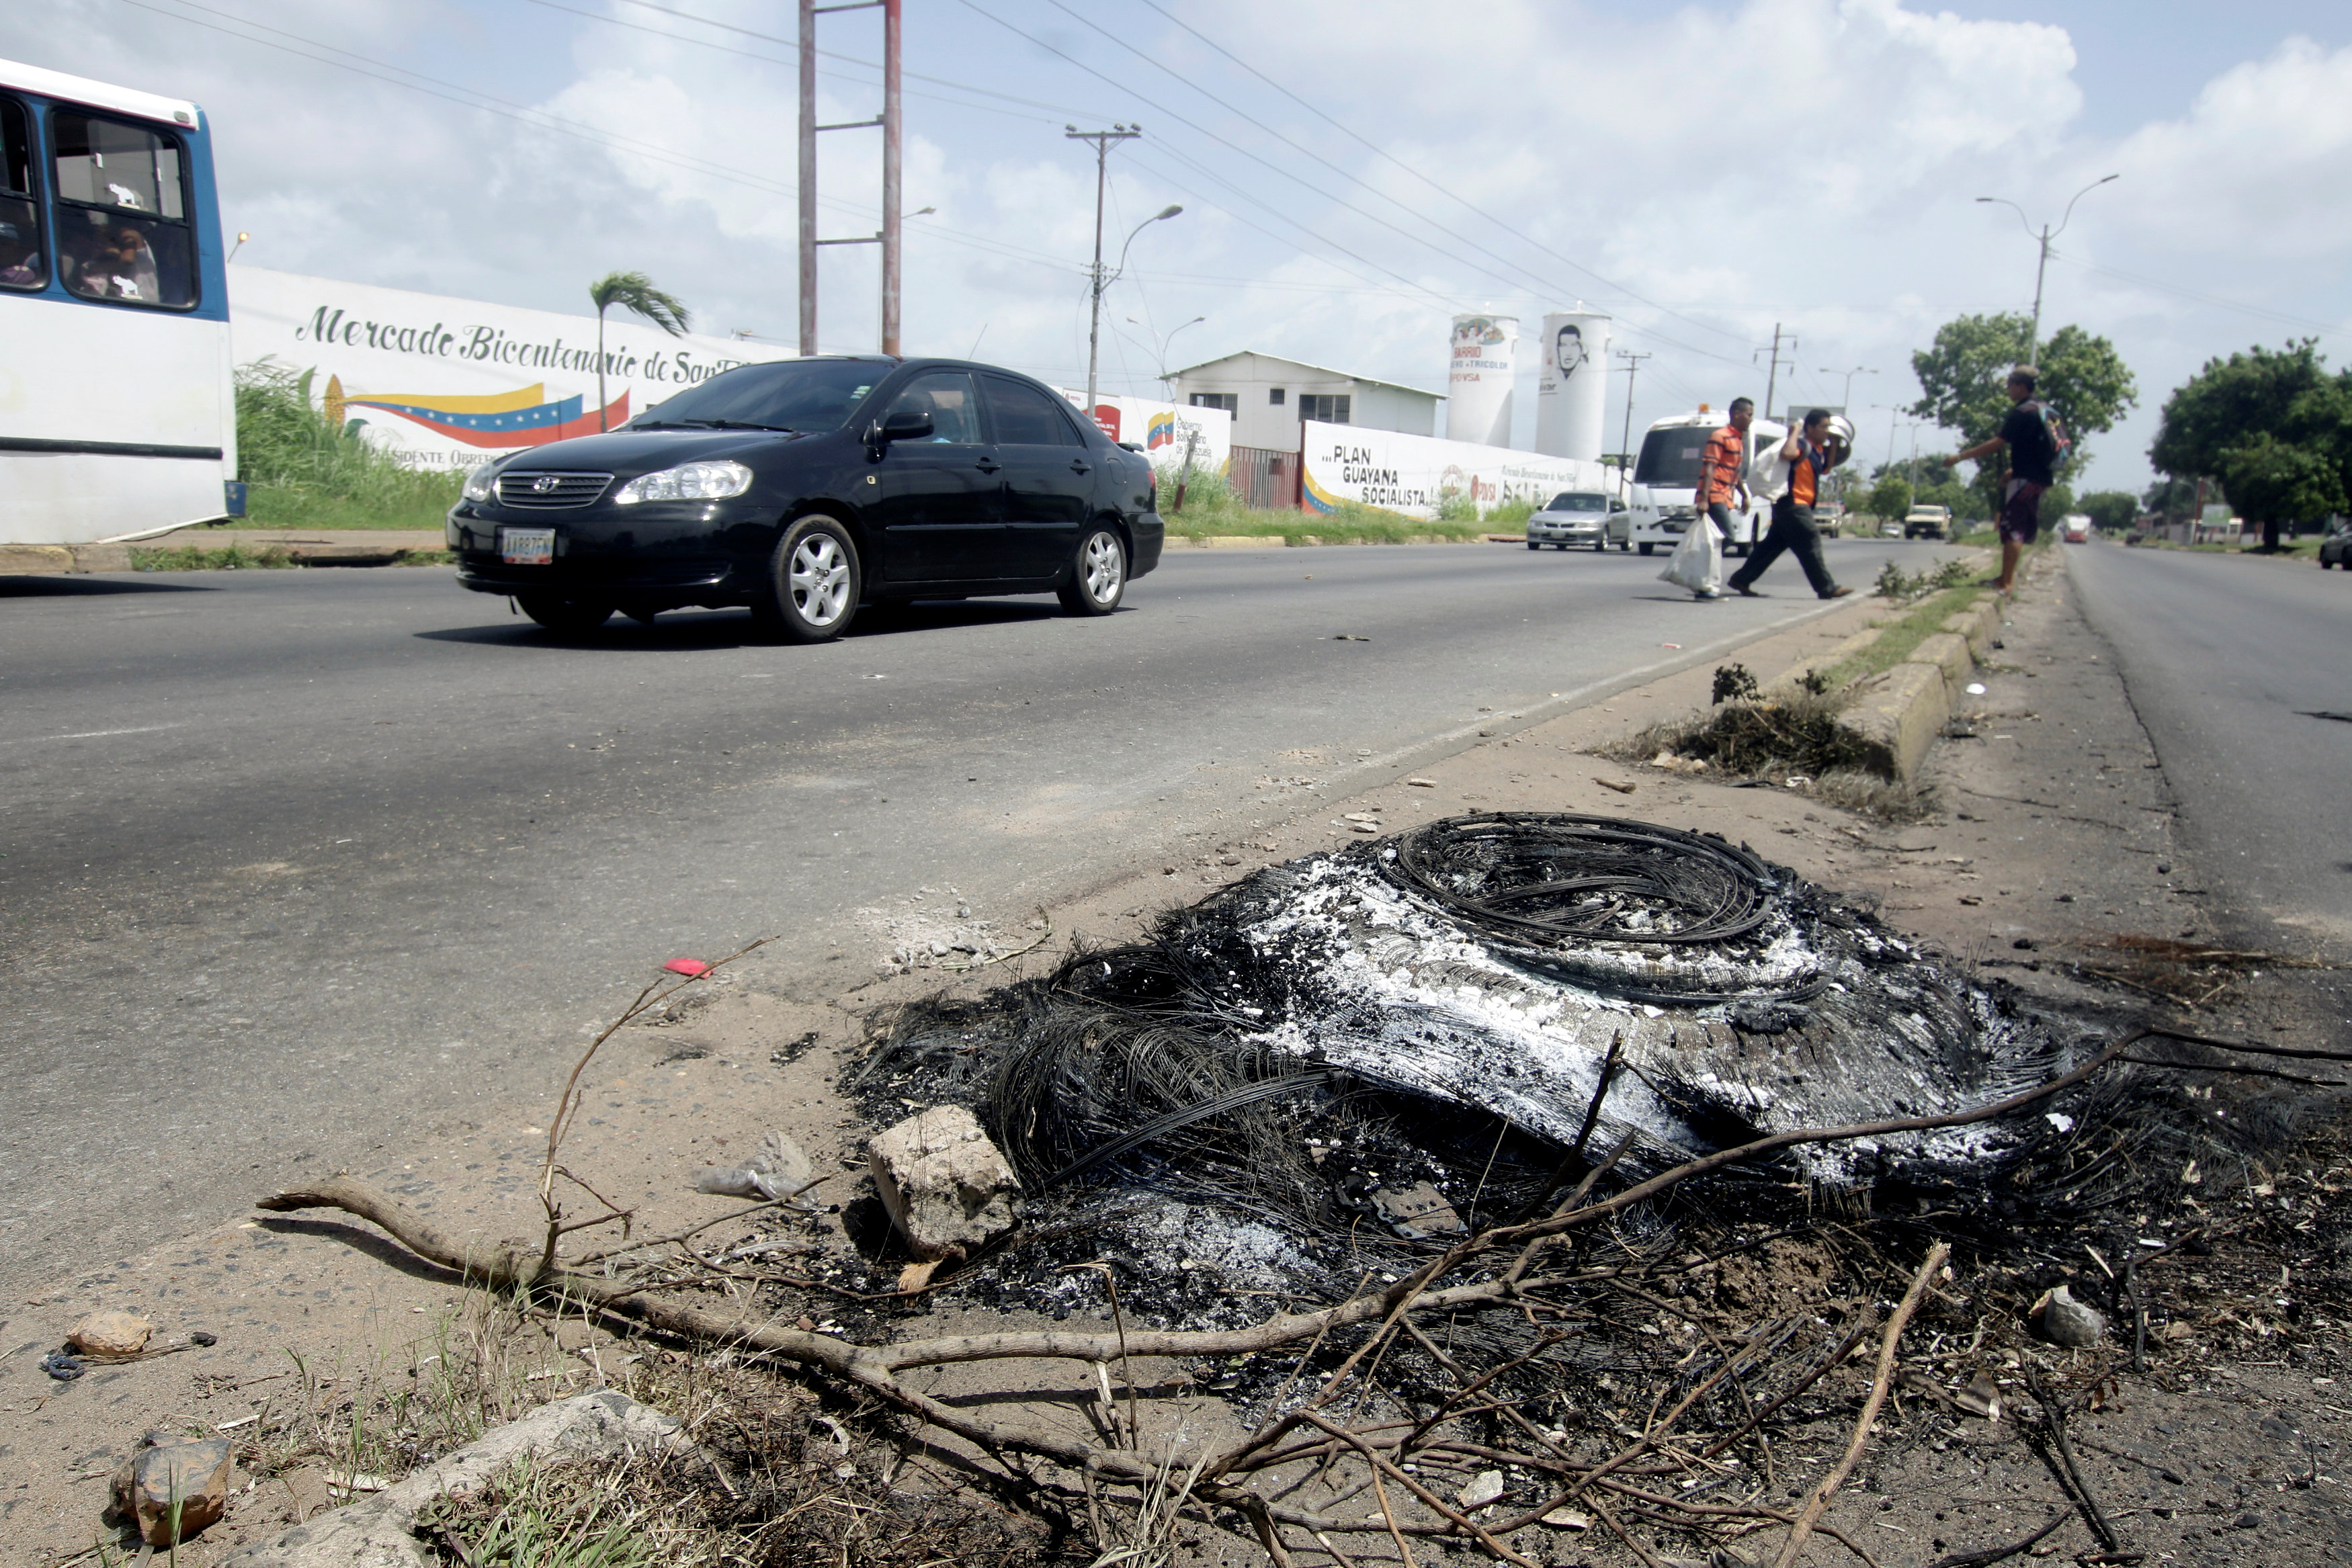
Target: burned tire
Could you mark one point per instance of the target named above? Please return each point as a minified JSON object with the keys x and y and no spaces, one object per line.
{"x":813,"y":582}
{"x":1097,"y":573}
{"x":558,"y":613}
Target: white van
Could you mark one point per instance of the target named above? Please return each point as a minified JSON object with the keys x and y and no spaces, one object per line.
{"x":1665,"y":479}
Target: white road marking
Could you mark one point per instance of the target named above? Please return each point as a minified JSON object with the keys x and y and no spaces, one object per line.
{"x":91,"y":734}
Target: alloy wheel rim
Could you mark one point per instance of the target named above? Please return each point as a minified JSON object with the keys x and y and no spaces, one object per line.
{"x":1103,"y":566}
{"x":819,"y":580}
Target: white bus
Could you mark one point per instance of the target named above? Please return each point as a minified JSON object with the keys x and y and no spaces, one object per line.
{"x":1665,"y":480}
{"x":117,"y":412}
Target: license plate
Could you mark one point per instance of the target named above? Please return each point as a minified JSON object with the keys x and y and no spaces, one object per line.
{"x":527,"y":547}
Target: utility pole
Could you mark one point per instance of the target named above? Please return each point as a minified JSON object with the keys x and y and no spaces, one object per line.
{"x":1772,"y":380}
{"x":1632,"y":363}
{"x":887,"y":236}
{"x":1103,"y":140}
{"x":892,"y":146}
{"x":2033,"y":333}
{"x":1847,"y":408}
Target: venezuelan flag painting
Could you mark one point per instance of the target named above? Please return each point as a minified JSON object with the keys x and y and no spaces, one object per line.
{"x":1159,"y":431}
{"x":523,"y":417}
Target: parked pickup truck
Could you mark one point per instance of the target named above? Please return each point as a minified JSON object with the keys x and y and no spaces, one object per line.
{"x":1926,"y":522}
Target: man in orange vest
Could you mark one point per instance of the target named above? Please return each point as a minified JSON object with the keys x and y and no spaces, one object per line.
{"x":1723,"y":470}
{"x":1810,"y":453}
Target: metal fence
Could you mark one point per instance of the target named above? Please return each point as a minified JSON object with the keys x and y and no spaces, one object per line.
{"x":1264,"y":478}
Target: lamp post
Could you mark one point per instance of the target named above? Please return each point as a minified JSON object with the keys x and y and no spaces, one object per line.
{"x":1162,"y":377}
{"x":1102,"y":282}
{"x":2047,"y":233}
{"x":1849,"y":375}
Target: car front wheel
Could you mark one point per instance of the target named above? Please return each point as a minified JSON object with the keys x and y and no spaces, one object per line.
{"x":1533,"y":545}
{"x":1645,"y":547}
{"x":1097,"y":575}
{"x":812,"y":586}
{"x":558,"y":613}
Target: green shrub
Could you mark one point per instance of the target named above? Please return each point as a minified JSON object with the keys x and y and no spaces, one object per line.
{"x":302,"y":471}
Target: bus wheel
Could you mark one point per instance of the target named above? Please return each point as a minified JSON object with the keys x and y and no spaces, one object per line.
{"x":1645,"y":547}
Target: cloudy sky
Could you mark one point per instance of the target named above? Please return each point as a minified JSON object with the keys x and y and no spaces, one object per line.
{"x":1353,"y":172}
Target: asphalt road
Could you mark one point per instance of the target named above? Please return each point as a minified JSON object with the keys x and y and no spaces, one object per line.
{"x":2227,"y":662}
{"x":295,"y":861}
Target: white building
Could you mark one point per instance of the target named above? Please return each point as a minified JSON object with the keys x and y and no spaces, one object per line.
{"x":1268,"y":397}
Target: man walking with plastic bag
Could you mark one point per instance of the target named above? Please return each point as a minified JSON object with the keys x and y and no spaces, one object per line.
{"x":1797,"y":467}
{"x":1697,"y":562}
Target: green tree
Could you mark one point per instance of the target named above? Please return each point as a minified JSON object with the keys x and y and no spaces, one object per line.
{"x":1963,"y":376}
{"x":2275,"y":420}
{"x":2273,"y":482}
{"x":2171,"y":498}
{"x":1890,"y":498}
{"x":2110,"y":511}
{"x":636,"y":293}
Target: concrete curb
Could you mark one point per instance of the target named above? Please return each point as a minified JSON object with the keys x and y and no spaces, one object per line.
{"x":1898,"y":714}
{"x":1302,"y":541}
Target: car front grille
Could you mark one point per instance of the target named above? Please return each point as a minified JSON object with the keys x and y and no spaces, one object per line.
{"x":543,"y":490}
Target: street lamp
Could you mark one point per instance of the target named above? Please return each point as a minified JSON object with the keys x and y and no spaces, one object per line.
{"x":2034,"y":334}
{"x":1849,"y":375}
{"x":1162,"y":376}
{"x":1102,"y":282}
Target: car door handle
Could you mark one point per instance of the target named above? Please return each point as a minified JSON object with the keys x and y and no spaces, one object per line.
{"x":986,"y":465}
{"x":1078,"y":467}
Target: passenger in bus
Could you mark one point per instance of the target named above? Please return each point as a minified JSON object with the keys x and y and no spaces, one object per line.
{"x":112,"y":261}
{"x":20,"y":247}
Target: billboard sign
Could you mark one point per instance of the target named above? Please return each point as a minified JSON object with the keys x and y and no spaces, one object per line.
{"x":1416,"y":474}
{"x":446,"y":382}
{"x":1163,"y":429}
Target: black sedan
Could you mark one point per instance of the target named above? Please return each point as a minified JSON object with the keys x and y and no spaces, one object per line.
{"x":804,"y":488}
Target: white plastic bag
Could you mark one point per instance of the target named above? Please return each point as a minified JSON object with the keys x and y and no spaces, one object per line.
{"x":1697,"y":562}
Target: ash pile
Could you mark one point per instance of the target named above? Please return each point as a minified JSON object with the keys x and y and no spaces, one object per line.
{"x":1341,"y":1063}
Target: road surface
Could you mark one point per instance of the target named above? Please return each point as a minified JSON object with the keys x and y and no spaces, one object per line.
{"x":2227,"y":663}
{"x":296,"y":860}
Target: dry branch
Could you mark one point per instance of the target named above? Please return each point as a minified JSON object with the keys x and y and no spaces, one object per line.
{"x":1820,"y":1500}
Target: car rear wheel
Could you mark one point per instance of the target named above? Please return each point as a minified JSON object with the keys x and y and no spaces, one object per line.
{"x":558,"y":613}
{"x":812,"y":586}
{"x":1097,"y":574}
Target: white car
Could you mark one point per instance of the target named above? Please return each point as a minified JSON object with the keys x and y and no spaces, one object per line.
{"x":1581,"y":518}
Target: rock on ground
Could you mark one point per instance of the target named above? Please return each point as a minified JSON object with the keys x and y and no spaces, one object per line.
{"x":109,"y":1333}
{"x":172,"y":1489}
{"x":376,"y":1533}
{"x":947,"y":1186}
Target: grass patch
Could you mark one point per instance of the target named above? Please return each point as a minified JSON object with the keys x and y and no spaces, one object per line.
{"x":1901,"y":640}
{"x":304,"y":471}
{"x":1212,"y":509}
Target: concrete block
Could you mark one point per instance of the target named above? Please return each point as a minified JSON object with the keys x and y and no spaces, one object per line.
{"x":17,"y":560}
{"x":1969,"y":625}
{"x":1898,"y":716}
{"x":101,"y":558}
{"x":947,"y":1186}
{"x":1948,"y":652}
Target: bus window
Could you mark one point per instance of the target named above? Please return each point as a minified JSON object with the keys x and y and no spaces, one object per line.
{"x":21,"y":263}
{"x":122,"y":229}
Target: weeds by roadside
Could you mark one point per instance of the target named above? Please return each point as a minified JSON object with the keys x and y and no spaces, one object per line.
{"x":1211,"y":508}
{"x":1897,"y":584}
{"x":303,"y":469}
{"x":196,"y":558}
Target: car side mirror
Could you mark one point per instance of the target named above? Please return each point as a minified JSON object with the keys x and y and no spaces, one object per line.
{"x":907,"y":425}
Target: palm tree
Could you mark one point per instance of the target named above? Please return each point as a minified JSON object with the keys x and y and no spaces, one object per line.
{"x":635,"y":292}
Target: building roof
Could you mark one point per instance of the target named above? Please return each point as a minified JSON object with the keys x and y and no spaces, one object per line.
{"x":1304,"y":365}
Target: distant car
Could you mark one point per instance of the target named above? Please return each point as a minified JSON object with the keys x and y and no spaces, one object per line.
{"x":1579,"y":518}
{"x":1890,"y":530}
{"x":804,"y":488}
{"x":2074,"y":529}
{"x":1829,"y":518}
{"x":1928,"y":522}
{"x":2336,"y":550}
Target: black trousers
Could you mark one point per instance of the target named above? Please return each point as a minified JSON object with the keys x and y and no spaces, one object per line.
{"x":1792,"y":530}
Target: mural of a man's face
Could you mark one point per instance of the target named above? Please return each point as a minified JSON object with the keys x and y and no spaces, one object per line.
{"x":1569,"y":349}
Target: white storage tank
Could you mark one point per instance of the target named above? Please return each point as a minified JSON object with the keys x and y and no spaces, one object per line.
{"x":1571,"y":390}
{"x":1485,"y":359}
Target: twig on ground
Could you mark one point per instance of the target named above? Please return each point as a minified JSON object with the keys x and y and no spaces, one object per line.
{"x":1820,"y":1500}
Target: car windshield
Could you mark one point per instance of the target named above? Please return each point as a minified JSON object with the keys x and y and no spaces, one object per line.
{"x":1577,"y":501}
{"x":1669,"y":458}
{"x":806,"y":395}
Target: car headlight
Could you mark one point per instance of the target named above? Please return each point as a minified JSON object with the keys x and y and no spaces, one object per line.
{"x":687,"y":482}
{"x":479,"y":480}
